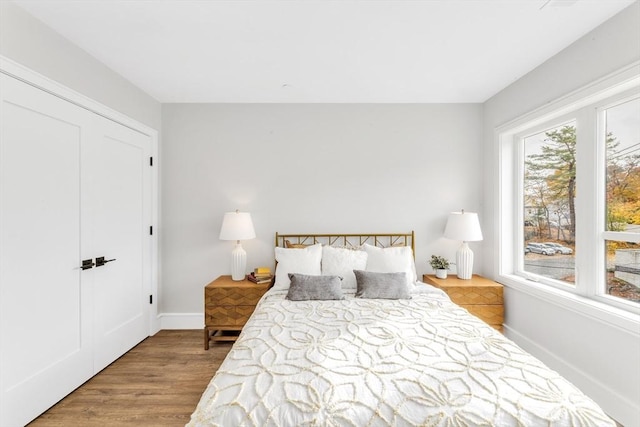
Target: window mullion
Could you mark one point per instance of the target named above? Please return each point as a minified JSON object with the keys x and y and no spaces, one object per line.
{"x":600,"y":202}
{"x":518,"y":239}
{"x":621,"y":236}
{"x":589,"y":205}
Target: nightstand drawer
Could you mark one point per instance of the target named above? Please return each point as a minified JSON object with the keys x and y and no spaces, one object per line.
{"x":227,"y":315}
{"x":234,"y":296}
{"x":476,"y":295}
{"x":491,"y":314}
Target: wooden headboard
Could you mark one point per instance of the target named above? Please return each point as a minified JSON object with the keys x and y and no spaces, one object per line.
{"x":384,"y":240}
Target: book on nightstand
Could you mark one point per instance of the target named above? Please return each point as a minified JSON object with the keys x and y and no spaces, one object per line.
{"x":259,"y":279}
{"x":262,"y":271}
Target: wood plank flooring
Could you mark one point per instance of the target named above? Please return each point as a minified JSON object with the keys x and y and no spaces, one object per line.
{"x":157,"y":383}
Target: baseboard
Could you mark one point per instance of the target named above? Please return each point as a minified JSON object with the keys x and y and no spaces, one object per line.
{"x":181,"y":320}
{"x":614,"y":404}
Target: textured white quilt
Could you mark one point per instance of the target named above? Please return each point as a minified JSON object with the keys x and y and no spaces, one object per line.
{"x":358,"y":362}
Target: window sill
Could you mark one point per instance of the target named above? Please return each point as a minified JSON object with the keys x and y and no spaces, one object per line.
{"x":613,"y":316}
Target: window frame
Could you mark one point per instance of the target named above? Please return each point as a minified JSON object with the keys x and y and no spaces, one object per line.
{"x":604,"y":235}
{"x":586,"y":106}
{"x":519,"y":139}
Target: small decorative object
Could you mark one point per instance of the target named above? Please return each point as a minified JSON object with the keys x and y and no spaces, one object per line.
{"x":440,"y":265}
{"x":463,"y":226}
{"x":237,"y":226}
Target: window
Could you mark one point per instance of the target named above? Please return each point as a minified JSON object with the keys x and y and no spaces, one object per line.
{"x":570,"y":196}
{"x":621,"y":132}
{"x":549,"y":188}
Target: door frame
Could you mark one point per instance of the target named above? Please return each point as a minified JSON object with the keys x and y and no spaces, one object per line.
{"x":33,"y":78}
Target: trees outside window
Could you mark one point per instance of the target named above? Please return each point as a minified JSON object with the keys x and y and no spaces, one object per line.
{"x":549,"y":196}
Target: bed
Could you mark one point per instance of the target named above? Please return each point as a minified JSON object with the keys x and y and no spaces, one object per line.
{"x":375,"y":347}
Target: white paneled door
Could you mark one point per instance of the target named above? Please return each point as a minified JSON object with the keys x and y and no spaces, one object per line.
{"x":74,"y":186}
{"x":120,"y":201}
{"x":45,"y":335}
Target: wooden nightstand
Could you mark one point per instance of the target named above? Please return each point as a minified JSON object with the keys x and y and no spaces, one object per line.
{"x":481,"y":297}
{"x":228,"y":304}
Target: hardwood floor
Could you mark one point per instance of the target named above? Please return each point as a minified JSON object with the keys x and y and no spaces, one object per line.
{"x":157,"y":383}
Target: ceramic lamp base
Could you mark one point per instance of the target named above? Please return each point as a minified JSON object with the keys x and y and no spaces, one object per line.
{"x":464,"y":262}
{"x":238,"y":263}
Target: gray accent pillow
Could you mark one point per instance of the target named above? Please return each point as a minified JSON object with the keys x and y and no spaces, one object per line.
{"x":306,"y":287}
{"x":381,"y":285}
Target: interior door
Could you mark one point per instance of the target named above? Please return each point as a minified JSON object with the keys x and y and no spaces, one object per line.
{"x":74,"y":186}
{"x":45,"y":330}
{"x":120,"y":202}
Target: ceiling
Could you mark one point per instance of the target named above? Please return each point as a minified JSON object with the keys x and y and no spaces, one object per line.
{"x":317,"y":51}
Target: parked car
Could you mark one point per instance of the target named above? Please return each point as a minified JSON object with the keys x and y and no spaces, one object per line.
{"x":539,"y":248}
{"x":559,"y":248}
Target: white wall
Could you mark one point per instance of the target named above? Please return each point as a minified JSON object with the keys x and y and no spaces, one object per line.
{"x":601,"y":359}
{"x":29,"y":42}
{"x":308,"y":168}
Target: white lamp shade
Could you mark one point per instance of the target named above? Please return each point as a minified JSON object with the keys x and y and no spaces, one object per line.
{"x":237,"y":226}
{"x":463,"y":226}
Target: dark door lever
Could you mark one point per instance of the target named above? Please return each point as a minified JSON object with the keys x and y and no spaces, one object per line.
{"x":87,"y":264}
{"x":100,"y":261}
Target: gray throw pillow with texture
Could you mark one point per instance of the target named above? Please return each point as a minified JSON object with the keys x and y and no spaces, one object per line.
{"x":306,"y":287}
{"x":381,"y":285}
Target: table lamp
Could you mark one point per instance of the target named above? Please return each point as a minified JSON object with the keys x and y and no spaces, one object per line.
{"x":237,"y":226}
{"x":463,"y":226}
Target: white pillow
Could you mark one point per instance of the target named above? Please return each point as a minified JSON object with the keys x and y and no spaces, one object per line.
{"x":392,"y":260}
{"x":341,"y":262}
{"x":301,"y":261}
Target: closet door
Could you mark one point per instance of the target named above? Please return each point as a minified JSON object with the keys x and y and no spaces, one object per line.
{"x":120,"y":201}
{"x":74,"y":186}
{"x":45,"y":328}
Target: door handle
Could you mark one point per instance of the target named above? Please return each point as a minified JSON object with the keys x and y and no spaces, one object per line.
{"x":87,"y":264}
{"x":100,"y":261}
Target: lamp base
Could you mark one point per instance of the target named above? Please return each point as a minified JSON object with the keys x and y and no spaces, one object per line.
{"x":464,"y":262}
{"x":238,"y":263}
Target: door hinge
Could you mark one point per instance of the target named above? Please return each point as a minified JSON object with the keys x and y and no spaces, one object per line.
{"x":151,"y":230}
{"x":150,"y":161}
{"x":150,"y":299}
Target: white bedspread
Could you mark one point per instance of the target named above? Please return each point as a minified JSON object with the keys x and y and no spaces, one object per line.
{"x":358,"y":362}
